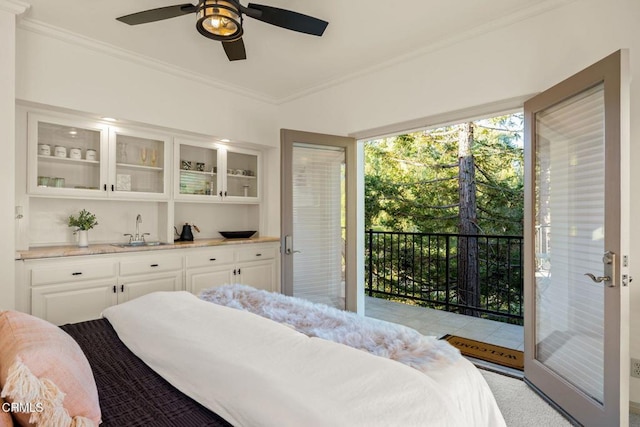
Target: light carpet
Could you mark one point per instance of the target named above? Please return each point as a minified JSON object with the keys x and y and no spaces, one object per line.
{"x":522,"y":407}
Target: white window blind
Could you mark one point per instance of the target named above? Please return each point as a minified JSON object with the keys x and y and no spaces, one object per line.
{"x":318,"y":188}
{"x":570,"y":241}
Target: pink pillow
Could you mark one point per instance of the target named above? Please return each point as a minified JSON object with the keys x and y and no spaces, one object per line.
{"x":5,"y":416}
{"x":39,"y":364}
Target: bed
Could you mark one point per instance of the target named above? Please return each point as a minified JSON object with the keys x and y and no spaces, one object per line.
{"x":170,"y":358}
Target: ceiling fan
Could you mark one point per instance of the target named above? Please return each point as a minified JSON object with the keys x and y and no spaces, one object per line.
{"x":222,"y":20}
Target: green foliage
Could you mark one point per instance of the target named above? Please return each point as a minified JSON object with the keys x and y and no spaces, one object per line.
{"x":411,"y":180}
{"x":84,"y":221}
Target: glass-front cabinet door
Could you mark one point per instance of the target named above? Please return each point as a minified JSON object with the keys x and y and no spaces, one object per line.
{"x":139,"y":164}
{"x":197,"y":171}
{"x":72,"y":157}
{"x":211,"y":172}
{"x":241,"y":178}
{"x":66,"y":157}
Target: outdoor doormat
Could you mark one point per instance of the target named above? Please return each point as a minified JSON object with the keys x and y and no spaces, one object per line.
{"x":488,"y":352}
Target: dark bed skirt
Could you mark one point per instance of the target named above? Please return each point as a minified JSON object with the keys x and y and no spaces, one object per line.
{"x":131,"y":393}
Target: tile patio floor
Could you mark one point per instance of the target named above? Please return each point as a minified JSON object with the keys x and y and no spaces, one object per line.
{"x":436,"y":322}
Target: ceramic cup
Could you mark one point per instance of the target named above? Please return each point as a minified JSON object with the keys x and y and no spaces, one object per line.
{"x":60,"y":151}
{"x":186,"y":165}
{"x":44,"y":149}
{"x":43,"y":181}
{"x":90,"y":154}
{"x":75,"y":153}
{"x":200,"y":167}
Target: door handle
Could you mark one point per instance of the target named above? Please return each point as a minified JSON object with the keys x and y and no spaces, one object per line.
{"x":598,"y":279}
{"x":609,"y":261}
{"x":288,"y":245}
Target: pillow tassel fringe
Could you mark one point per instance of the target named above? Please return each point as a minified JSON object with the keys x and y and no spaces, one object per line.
{"x":24,"y":387}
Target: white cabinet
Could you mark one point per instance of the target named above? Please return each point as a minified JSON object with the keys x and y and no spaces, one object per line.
{"x":139,"y":166}
{"x":143,"y":274}
{"x":256,"y":265}
{"x":212,"y":172}
{"x":72,"y":290}
{"x":76,"y":289}
{"x":71,"y":157}
{"x":259,"y":274}
{"x":62,"y":304}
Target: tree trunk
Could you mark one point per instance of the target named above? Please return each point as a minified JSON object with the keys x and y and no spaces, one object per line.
{"x":468,"y":270}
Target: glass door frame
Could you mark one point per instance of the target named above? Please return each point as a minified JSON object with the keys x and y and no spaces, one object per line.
{"x":353,"y":293}
{"x":612,"y":71}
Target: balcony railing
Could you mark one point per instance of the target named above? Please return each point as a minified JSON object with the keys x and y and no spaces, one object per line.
{"x":434,"y":270}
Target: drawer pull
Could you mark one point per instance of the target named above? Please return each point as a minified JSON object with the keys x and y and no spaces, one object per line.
{"x":258,"y":254}
{"x":153,"y":265}
{"x":121,"y":288}
{"x":212,"y":259}
{"x":114,"y":289}
{"x":77,"y":273}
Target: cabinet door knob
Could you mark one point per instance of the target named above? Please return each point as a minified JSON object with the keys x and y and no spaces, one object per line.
{"x":105,"y":187}
{"x":238,"y":271}
{"x":121,"y":288}
{"x":77,"y":273}
{"x":112,"y":187}
{"x":114,"y":289}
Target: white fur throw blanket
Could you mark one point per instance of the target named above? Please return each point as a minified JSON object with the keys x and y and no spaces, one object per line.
{"x":378,"y":337}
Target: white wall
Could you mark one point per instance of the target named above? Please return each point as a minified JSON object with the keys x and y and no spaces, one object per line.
{"x":526,"y":57}
{"x":71,"y":75}
{"x":66,"y":72}
{"x":7,"y":171}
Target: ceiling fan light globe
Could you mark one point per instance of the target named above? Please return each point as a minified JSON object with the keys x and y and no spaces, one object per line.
{"x":219,"y":20}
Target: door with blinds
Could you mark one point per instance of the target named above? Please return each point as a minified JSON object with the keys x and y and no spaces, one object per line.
{"x":576,"y":228}
{"x":318,"y":217}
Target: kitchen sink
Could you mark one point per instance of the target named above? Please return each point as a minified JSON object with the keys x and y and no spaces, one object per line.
{"x":139,"y":244}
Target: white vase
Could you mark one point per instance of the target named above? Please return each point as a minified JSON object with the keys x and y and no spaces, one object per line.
{"x":83,"y":238}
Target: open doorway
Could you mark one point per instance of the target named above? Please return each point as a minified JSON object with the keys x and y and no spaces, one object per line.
{"x":443,"y":229}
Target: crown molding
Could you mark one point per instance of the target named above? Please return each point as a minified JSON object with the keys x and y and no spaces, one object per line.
{"x":14,"y":6}
{"x":39,"y":27}
{"x":503,"y":21}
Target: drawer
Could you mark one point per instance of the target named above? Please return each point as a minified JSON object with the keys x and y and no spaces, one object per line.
{"x":256,"y":253}
{"x":210,"y":257}
{"x":72,"y":273}
{"x":150,"y":264}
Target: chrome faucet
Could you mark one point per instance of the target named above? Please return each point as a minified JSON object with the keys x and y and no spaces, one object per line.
{"x":138,"y":222}
{"x":137,"y":238}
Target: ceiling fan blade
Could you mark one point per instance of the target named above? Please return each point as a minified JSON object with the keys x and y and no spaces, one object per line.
{"x":286,"y":19}
{"x":235,"y":50}
{"x":158,"y":14}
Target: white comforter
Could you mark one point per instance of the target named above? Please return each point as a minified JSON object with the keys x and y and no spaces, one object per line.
{"x":256,"y":372}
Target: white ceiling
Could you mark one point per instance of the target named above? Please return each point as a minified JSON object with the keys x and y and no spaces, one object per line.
{"x":282,"y":64}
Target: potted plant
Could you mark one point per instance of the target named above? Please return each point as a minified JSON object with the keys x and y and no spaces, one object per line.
{"x":84,"y":222}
